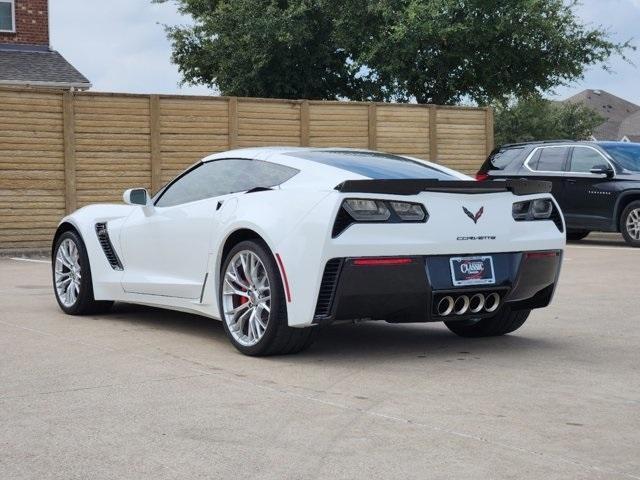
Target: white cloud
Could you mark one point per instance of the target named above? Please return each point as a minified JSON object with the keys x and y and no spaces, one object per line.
{"x":119,"y":45}
{"x":620,"y":18}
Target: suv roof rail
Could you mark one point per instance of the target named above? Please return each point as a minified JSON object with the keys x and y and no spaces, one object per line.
{"x":535,"y":142}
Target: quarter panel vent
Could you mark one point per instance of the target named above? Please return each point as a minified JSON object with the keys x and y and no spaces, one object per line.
{"x":556,"y":217}
{"x":342,"y":222}
{"x":107,"y":247}
{"x":328,"y":288}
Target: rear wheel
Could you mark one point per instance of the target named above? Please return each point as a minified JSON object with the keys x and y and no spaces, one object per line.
{"x":575,"y":235}
{"x":630,"y":224}
{"x":506,"y":321}
{"x":72,"y":283}
{"x":253,"y":304}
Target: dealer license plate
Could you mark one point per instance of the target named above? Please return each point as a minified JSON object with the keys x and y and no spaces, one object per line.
{"x":472,"y":271}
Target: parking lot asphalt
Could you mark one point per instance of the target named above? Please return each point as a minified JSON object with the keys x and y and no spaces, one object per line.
{"x":142,"y":393}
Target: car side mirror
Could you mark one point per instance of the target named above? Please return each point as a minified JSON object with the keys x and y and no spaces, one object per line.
{"x":603,"y":170}
{"x":136,"y":196}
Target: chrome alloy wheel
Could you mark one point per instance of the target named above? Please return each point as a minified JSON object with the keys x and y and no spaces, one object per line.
{"x":246,"y":298}
{"x":633,"y":224}
{"x":68,"y":273}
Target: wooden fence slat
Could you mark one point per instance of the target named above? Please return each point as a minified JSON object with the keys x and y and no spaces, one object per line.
{"x":233,"y":122}
{"x":304,"y":124}
{"x":69,"y":122}
{"x":156,"y":150}
{"x":489,"y":135}
{"x":433,"y":133}
{"x":373,"y":124}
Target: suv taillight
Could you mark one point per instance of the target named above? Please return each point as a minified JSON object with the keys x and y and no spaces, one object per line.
{"x":482,"y":176}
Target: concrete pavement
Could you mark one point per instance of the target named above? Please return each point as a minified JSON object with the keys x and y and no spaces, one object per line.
{"x":142,"y":393}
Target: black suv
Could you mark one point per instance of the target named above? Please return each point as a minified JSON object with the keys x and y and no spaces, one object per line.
{"x":597,"y":184}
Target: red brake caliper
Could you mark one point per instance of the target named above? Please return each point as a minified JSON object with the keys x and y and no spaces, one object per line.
{"x":242,"y":300}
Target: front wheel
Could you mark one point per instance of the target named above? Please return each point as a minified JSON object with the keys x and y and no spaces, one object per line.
{"x":72,"y":283}
{"x":630,"y":224}
{"x":253,"y":304}
{"x":506,"y":321}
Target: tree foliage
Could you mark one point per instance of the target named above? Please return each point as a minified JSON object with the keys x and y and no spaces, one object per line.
{"x":535,"y":118}
{"x":431,"y":51}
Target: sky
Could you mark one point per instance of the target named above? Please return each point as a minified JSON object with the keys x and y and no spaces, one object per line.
{"x":121,"y":46}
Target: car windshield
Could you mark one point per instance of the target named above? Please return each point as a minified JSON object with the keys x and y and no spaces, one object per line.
{"x":377,"y":166}
{"x":627,"y":155}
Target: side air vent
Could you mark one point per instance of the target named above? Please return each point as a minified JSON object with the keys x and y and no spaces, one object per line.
{"x":343,"y":220}
{"x":328,"y":287}
{"x":105,"y":243}
{"x":556,"y":217}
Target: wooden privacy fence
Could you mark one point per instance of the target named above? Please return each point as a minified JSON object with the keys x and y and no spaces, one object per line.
{"x":62,"y":150}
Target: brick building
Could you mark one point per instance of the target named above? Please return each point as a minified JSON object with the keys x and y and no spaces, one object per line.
{"x":26,"y":57}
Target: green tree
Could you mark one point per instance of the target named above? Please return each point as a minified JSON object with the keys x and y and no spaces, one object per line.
{"x":260,"y":48}
{"x":430,"y":51}
{"x":539,"y":119}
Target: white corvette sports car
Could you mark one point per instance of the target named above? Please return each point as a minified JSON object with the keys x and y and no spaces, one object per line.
{"x":278,"y":241}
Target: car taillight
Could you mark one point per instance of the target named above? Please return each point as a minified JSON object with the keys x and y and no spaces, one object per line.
{"x":368,"y":210}
{"x":482,"y":176}
{"x":539,"y":209}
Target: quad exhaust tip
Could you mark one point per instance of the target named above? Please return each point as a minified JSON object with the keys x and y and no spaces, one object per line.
{"x":464,"y":304}
{"x":492,"y":302}
{"x":476,"y":304}
{"x":445,"y":306}
{"x":461,"y":305}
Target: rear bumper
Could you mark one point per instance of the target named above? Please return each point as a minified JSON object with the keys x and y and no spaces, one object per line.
{"x":411,"y":291}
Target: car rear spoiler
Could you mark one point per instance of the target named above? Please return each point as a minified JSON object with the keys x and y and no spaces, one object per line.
{"x":415,"y":186}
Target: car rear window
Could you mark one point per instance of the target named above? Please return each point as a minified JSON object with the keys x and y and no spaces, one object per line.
{"x":502,"y":158}
{"x":377,"y":166}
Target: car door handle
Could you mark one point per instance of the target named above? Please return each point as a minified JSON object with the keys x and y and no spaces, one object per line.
{"x":570,"y":180}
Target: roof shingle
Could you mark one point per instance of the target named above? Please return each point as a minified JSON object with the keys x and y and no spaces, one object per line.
{"x":38,"y":66}
{"x":614,"y":109}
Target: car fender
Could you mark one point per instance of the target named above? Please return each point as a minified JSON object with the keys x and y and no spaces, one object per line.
{"x":274,"y":215}
{"x":620,"y":201}
{"x":106,"y":280}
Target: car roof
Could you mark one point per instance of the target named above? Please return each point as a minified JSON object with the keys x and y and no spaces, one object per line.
{"x":571,"y":142}
{"x":601,"y":143}
{"x":535,"y":143}
{"x":313,"y":160}
{"x":612,"y":142}
{"x":268,"y":153}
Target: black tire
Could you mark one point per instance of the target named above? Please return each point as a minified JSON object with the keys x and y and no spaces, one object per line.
{"x":278,"y":338}
{"x":85,"y":302}
{"x":630,"y":209}
{"x":575,"y":235}
{"x":506,"y":321}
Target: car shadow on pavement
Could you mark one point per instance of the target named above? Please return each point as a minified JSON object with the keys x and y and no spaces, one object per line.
{"x":163,"y":319}
{"x":601,"y":240}
{"x":431,"y":340}
{"x":362,"y":341}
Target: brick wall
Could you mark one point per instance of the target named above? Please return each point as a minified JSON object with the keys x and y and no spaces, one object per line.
{"x":32,"y":23}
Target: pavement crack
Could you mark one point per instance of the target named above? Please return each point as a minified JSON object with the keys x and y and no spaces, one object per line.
{"x":98,"y":387}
